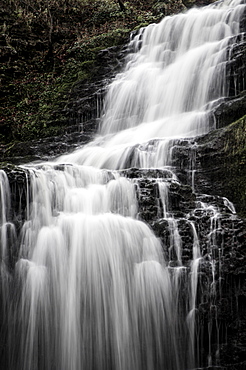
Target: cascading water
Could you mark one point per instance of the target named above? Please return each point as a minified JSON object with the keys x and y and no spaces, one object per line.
{"x":92,"y":287}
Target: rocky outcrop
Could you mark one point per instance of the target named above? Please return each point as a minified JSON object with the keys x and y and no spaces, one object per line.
{"x":218,"y":160}
{"x":81,"y":114}
{"x":191,"y":3}
{"x":222,"y":160}
{"x":221,"y":295}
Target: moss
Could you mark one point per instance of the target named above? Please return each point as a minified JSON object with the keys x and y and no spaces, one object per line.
{"x":235,"y":143}
{"x":88,"y":50}
{"x":141,"y":25}
{"x":234,"y":164}
{"x":222,"y":156}
{"x":42,"y":60}
{"x":38,"y":96}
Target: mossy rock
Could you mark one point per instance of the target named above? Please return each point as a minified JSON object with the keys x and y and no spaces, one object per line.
{"x":222,"y":157}
{"x":198,"y":3}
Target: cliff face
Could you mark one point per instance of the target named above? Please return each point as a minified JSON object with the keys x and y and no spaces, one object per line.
{"x":80,"y":113}
{"x":221,"y":289}
{"x":191,"y":3}
{"x":220,"y":155}
{"x":47,"y":47}
{"x":215,"y":163}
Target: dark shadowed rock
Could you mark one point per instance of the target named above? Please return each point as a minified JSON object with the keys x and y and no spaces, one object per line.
{"x":191,"y":3}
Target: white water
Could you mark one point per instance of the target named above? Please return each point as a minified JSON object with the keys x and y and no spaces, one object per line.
{"x":167,"y":90}
{"x":93,"y":289}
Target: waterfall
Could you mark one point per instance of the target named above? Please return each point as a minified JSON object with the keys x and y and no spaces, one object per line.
{"x":91,"y":285}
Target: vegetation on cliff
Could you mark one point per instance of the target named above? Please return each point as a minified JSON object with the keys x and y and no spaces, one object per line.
{"x":46,"y":46}
{"x":233,"y":166}
{"x":222,"y":158}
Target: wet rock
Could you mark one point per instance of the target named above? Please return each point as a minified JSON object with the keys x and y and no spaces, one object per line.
{"x":86,"y":97}
{"x":18,"y":181}
{"x":221,"y":164}
{"x":230,"y":110}
{"x":218,"y":160}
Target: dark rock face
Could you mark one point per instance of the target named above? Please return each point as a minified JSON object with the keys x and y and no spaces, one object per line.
{"x":217,"y":163}
{"x":218,"y":159}
{"x":220,"y":312}
{"x":226,"y":165}
{"x":86,"y":98}
{"x":81,"y":114}
{"x":191,"y":3}
{"x":230,"y":110}
{"x":221,"y":294}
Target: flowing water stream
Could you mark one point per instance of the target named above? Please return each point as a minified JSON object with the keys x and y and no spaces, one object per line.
{"x":92,"y":286}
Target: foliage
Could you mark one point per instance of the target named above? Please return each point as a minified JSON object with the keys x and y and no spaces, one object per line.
{"x":47,"y":45}
{"x":235,"y":163}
